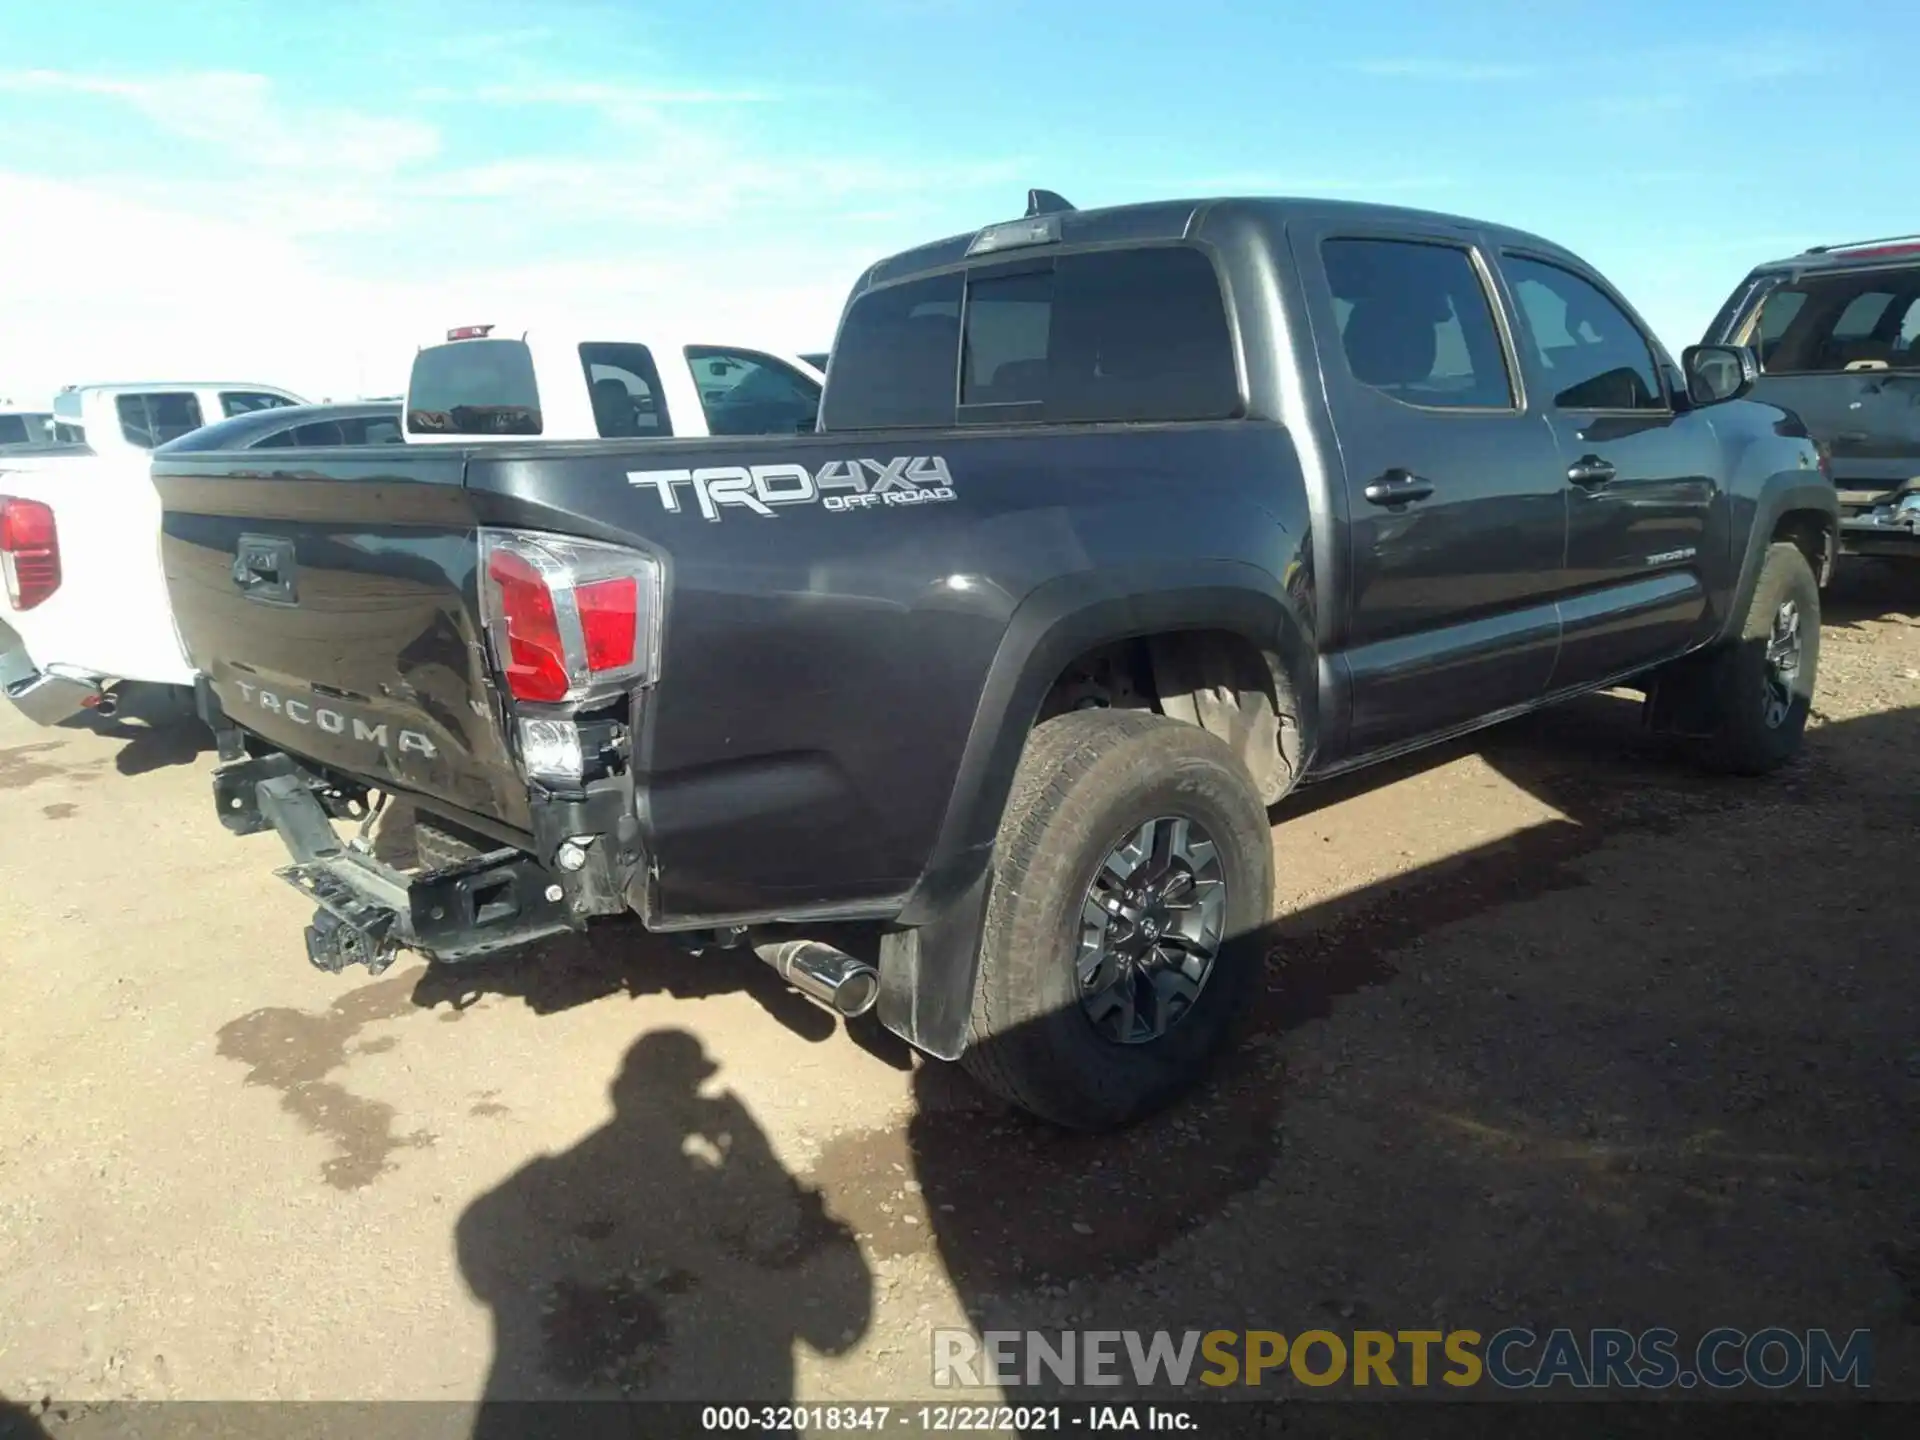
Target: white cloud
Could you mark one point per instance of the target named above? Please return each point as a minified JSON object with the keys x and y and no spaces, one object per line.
{"x":236,"y":113}
{"x":1679,"y":66}
{"x":1448,"y":70}
{"x":315,"y":247}
{"x":616,"y":98}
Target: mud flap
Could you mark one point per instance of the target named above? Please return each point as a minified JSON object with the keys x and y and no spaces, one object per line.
{"x":1680,"y":701}
{"x":928,"y":973}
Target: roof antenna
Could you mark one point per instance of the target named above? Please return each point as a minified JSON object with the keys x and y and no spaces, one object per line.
{"x":1045,"y":202}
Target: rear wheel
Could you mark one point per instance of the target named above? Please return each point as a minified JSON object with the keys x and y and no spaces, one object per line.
{"x":1761,"y":685}
{"x":1133,"y":864}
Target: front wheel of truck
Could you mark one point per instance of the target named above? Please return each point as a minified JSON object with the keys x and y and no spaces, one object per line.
{"x":1132,"y":868}
{"x":1762,"y":683}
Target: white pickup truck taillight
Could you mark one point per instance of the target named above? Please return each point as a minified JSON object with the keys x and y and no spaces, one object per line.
{"x":29,"y":551}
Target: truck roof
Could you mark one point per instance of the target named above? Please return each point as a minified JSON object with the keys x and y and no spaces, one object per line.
{"x":237,"y":431}
{"x":1851,"y":255}
{"x":1163,"y":220}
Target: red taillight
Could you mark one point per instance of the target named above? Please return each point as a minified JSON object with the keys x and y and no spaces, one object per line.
{"x":609,"y":612}
{"x":536,"y":656}
{"x":29,"y":551}
{"x":572,"y":621}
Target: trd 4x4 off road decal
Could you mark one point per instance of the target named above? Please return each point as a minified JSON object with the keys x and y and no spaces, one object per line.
{"x":836,"y":485}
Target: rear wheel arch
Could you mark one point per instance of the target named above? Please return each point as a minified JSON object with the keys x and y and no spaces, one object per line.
{"x":1793,"y":505}
{"x":1175,"y":630}
{"x":1812,"y":533}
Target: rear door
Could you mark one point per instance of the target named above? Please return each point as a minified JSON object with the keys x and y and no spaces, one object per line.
{"x":1645,"y":515}
{"x":330,"y":597}
{"x":1455,"y":505}
{"x":148,"y":419}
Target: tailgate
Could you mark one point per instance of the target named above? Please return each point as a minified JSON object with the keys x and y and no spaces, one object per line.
{"x":331,"y":602}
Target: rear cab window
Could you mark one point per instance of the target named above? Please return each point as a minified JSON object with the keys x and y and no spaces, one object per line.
{"x":1830,"y":324}
{"x":473,"y":387}
{"x":151,"y":419}
{"x":1131,"y":335}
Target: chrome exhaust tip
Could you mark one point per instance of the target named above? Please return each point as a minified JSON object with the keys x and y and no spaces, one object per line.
{"x":832,"y":977}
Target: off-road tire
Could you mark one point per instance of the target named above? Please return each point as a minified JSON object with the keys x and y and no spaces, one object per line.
{"x":1739,"y":741}
{"x":1086,"y":781}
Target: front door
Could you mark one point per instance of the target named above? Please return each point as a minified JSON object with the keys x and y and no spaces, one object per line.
{"x":1455,"y":504}
{"x":1645,"y":516}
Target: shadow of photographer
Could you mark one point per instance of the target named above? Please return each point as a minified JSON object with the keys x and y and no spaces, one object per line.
{"x":669,"y":1254}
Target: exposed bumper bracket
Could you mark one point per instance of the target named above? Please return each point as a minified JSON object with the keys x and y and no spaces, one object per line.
{"x":366,"y":910}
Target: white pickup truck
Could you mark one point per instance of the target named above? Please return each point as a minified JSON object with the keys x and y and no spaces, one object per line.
{"x":496,"y":382}
{"x":85,"y":622}
{"x":85,"y":611}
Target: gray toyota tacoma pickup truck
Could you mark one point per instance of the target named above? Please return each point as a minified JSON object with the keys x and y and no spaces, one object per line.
{"x":967,"y":707}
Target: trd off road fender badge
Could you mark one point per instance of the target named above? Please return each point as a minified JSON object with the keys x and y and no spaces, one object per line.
{"x":837,"y":485}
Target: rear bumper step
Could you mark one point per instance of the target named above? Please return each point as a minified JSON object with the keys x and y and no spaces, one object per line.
{"x":47,"y":698}
{"x":1886,"y":524}
{"x":1885,"y":532}
{"x":366,"y":910}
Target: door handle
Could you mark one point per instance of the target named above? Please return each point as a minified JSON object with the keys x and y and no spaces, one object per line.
{"x":263,"y":567}
{"x":1397,"y":487}
{"x":1590,"y":472}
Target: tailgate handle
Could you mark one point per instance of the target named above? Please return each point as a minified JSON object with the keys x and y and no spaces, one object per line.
{"x":263,"y":568}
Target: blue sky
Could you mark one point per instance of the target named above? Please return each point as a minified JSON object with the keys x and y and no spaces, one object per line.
{"x":300,"y":192}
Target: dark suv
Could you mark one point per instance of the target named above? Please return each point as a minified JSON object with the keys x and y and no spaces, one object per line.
{"x":1837,"y":330}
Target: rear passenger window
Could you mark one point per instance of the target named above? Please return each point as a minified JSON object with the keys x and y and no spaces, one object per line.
{"x":625,"y":388}
{"x":151,"y":420}
{"x":1595,"y":357}
{"x":1122,"y":335}
{"x":473,"y":387}
{"x":1416,"y":324}
{"x":746,"y":393}
{"x":894,"y":359}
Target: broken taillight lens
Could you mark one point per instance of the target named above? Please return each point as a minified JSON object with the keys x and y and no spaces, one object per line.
{"x":29,"y":551}
{"x":571,"y":621}
{"x":533,"y":654}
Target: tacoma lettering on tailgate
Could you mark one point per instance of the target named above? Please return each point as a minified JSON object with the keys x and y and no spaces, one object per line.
{"x":309,"y":712}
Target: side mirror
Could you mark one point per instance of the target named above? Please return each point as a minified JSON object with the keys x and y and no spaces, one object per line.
{"x":716,"y":368}
{"x":1719,"y":373}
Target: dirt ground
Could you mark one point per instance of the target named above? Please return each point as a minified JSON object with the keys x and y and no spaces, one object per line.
{"x":1557,"y":1031}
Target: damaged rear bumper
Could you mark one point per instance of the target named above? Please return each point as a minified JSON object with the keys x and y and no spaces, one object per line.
{"x":1884,"y":525}
{"x":366,"y":909}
